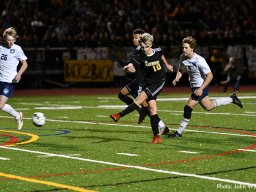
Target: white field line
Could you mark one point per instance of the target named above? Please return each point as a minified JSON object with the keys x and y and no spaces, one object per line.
{"x":171,"y":112}
{"x":134,"y":167}
{"x":250,"y":112}
{"x":137,"y":126}
{"x":178,"y":98}
{"x":71,"y":155}
{"x":191,"y":152}
{"x":3,"y":158}
{"x":42,"y":106}
{"x":115,"y":98}
{"x":59,"y":107}
{"x":185,"y":99}
{"x":128,"y":154}
{"x":249,"y":150}
{"x":212,"y":113}
{"x":102,"y":115}
{"x":147,"y":127}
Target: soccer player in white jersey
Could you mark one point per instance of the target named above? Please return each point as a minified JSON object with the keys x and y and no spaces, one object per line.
{"x":200,"y":76}
{"x":10,"y":56}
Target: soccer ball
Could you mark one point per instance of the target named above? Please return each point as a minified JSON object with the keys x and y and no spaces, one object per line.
{"x":38,"y":119}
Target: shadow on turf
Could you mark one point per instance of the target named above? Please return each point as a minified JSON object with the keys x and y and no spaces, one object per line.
{"x":150,"y":180}
{"x":146,"y":131}
{"x":103,"y":138}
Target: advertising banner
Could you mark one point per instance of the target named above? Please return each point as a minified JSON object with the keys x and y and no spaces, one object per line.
{"x":88,"y":70}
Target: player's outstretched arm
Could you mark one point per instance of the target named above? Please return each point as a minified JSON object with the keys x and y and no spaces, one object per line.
{"x":21,"y":71}
{"x":167,"y":65}
{"x":177,"y":78}
{"x":118,"y":59}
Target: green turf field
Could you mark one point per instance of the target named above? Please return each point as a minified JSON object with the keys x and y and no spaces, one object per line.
{"x":81,"y":149}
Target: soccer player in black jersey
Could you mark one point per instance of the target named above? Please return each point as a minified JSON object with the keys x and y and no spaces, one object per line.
{"x":150,"y":62}
{"x":136,"y":86}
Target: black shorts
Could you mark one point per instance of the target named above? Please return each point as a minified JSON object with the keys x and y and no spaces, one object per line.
{"x":154,"y":89}
{"x":134,"y":88}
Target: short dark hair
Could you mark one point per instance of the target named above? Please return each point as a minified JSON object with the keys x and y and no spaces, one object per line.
{"x":138,"y":31}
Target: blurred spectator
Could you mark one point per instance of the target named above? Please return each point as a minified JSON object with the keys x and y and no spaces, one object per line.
{"x":233,"y":69}
{"x":86,"y":22}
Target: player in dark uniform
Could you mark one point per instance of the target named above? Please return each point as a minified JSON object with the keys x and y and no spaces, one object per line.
{"x":150,"y":62}
{"x":136,"y":86}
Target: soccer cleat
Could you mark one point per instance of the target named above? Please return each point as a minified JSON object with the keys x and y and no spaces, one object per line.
{"x":115,"y":117}
{"x":156,"y":139}
{"x":174,"y":134}
{"x":142,"y":117}
{"x":164,"y":131}
{"x":236,"y":101}
{"x":19,"y":121}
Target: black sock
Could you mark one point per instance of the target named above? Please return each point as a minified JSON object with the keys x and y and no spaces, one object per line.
{"x":125,"y":99}
{"x":129,"y":109}
{"x":154,"y":120}
{"x":146,"y":110}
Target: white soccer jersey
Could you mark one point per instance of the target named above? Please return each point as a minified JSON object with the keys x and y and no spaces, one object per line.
{"x":9,"y":60}
{"x":197,"y":68}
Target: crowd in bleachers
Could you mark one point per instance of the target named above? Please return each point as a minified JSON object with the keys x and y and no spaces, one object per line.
{"x":93,"y":23}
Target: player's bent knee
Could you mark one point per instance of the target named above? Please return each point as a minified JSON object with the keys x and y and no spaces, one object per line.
{"x":210,"y":106}
{"x":187,"y":112}
{"x":144,"y":104}
{"x":140,"y":99}
{"x":124,"y":91}
{"x":1,"y":105}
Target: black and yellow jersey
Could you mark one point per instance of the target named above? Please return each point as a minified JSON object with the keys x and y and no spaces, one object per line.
{"x":152,"y":66}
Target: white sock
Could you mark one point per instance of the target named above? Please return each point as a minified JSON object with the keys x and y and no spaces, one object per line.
{"x":222,"y":101}
{"x":8,"y":109}
{"x":161,"y":124}
{"x":183,"y":125}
